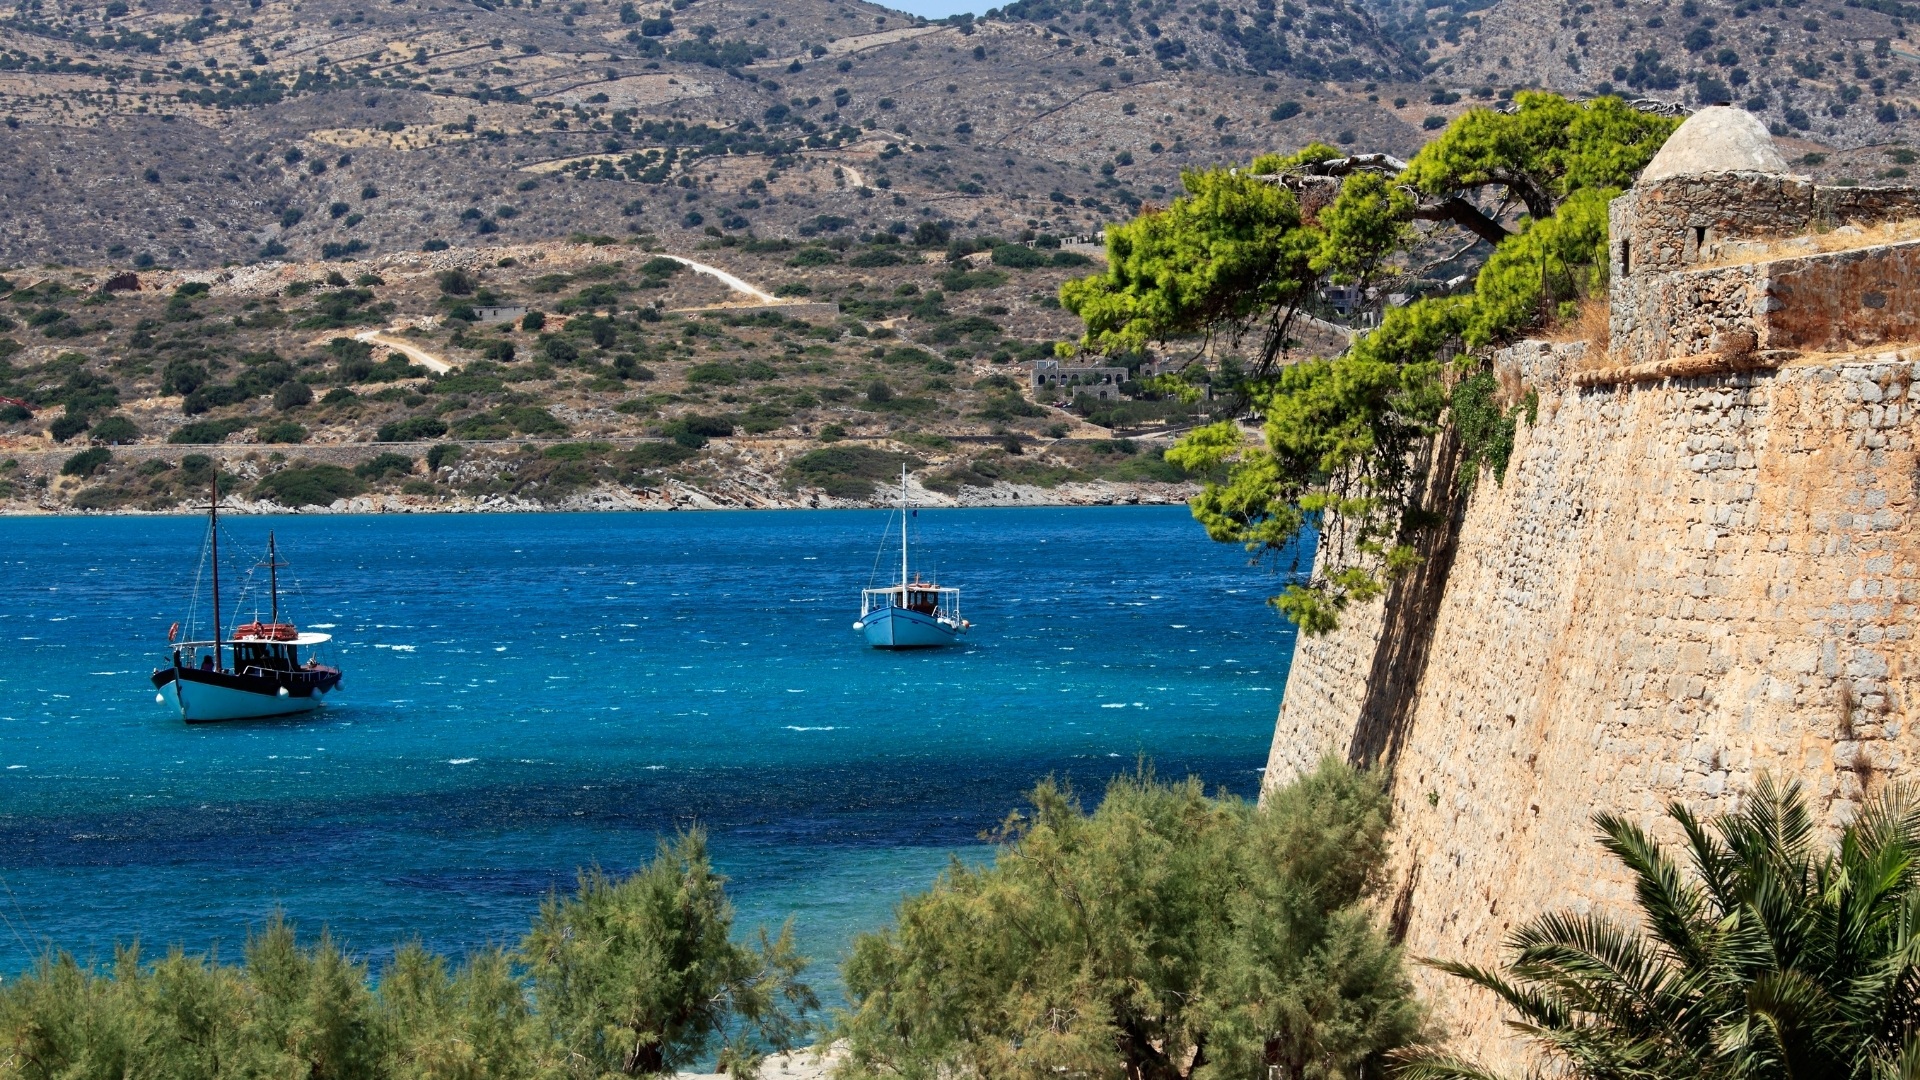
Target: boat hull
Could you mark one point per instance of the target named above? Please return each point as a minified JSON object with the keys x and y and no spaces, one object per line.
{"x":205,"y":697}
{"x":904,"y":628}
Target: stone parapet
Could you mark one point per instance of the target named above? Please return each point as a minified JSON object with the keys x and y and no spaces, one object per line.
{"x":1679,"y":585}
{"x":1828,"y":302}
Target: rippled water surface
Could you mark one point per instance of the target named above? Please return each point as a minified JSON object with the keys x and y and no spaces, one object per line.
{"x":526,"y":695}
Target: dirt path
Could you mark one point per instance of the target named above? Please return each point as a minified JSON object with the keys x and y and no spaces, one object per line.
{"x":727,"y":279}
{"x":413,"y":353}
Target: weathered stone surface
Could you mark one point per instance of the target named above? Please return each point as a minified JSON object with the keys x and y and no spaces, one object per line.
{"x":1701,"y":567}
{"x":1717,"y":139}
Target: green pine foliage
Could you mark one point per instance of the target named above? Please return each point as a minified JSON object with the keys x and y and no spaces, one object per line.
{"x":1772,"y":954}
{"x":1164,"y":936}
{"x":1236,"y":257}
{"x":627,"y":977}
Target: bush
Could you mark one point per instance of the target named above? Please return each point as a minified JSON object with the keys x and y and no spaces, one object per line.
{"x":444,"y":454}
{"x":67,"y":425}
{"x":381,"y":466}
{"x":292,"y":395}
{"x":182,"y":377}
{"x":281,"y":431}
{"x":309,"y":485}
{"x":848,"y":472}
{"x":206,"y":431}
{"x":1128,"y":941}
{"x":1004,"y":407}
{"x":813,"y":256}
{"x":627,"y":976}
{"x":456,"y":282}
{"x":213,"y":396}
{"x":115,"y":429}
{"x":1018,"y":257}
{"x":87,"y":462}
{"x":693,"y":430}
{"x":412,"y":429}
{"x":876,"y":257}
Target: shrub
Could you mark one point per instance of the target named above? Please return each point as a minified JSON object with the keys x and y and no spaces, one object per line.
{"x":412,"y":429}
{"x":848,"y":472}
{"x":115,"y":429}
{"x":67,"y":425}
{"x":292,"y":395}
{"x":444,"y":454}
{"x":281,"y":431}
{"x":1004,"y":407}
{"x":456,"y":282}
{"x":1018,"y":257}
{"x":813,"y":256}
{"x":381,"y":466}
{"x":1129,"y":940}
{"x":559,"y":350}
{"x":213,"y":396}
{"x":310,"y":485}
{"x":87,"y":462}
{"x":534,"y":321}
{"x":182,"y":377}
{"x":693,"y":430}
{"x":875,"y":257}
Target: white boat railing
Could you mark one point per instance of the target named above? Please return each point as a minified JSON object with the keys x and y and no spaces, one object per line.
{"x":946,"y":600}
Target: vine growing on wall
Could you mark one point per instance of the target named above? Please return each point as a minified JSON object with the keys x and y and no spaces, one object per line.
{"x":1238,"y":258}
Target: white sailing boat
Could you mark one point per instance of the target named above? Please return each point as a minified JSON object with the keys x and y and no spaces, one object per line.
{"x":913,"y":614}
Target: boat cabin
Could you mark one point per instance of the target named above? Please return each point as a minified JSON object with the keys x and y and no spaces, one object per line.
{"x":936,"y":601}
{"x":254,"y":652}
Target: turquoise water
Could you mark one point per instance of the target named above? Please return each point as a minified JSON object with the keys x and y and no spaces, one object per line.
{"x":526,"y":695}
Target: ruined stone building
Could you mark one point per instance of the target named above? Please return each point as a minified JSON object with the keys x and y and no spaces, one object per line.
{"x":1053,"y":380}
{"x":1700,"y":567}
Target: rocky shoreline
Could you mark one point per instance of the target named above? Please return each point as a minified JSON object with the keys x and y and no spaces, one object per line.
{"x":674,"y":495}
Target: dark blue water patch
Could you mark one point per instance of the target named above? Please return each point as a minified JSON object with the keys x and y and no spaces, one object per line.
{"x":528,"y":695}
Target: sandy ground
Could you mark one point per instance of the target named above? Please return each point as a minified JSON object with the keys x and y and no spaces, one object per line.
{"x":800,"y":1065}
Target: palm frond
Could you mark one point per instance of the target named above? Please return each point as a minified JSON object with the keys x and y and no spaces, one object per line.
{"x":1672,"y":906}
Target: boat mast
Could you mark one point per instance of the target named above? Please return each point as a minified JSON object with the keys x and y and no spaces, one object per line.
{"x":273,"y":578}
{"x":213,"y":523}
{"x":903,"y":536}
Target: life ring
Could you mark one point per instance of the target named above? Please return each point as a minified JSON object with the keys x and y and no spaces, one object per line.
{"x":173,"y":633}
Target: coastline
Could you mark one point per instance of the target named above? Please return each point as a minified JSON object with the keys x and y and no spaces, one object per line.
{"x":733,"y":474}
{"x":672,"y":496}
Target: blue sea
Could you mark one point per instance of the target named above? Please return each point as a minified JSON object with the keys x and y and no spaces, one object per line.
{"x":526,"y":695}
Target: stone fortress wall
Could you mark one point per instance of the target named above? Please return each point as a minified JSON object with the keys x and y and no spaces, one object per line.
{"x":1685,"y":580}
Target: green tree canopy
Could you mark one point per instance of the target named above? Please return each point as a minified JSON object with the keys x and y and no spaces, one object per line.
{"x":626,"y":977}
{"x":1243,"y":250}
{"x":638,"y":976}
{"x":1772,"y":955}
{"x":1164,"y":936}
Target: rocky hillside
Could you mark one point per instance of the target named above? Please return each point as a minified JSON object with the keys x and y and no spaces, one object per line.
{"x":1835,"y":81}
{"x":159,"y":132}
{"x":564,"y":374}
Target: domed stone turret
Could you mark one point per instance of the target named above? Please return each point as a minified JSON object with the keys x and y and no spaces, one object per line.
{"x":1717,"y":139}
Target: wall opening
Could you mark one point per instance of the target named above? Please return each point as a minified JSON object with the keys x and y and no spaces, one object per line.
{"x":1626,"y":258}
